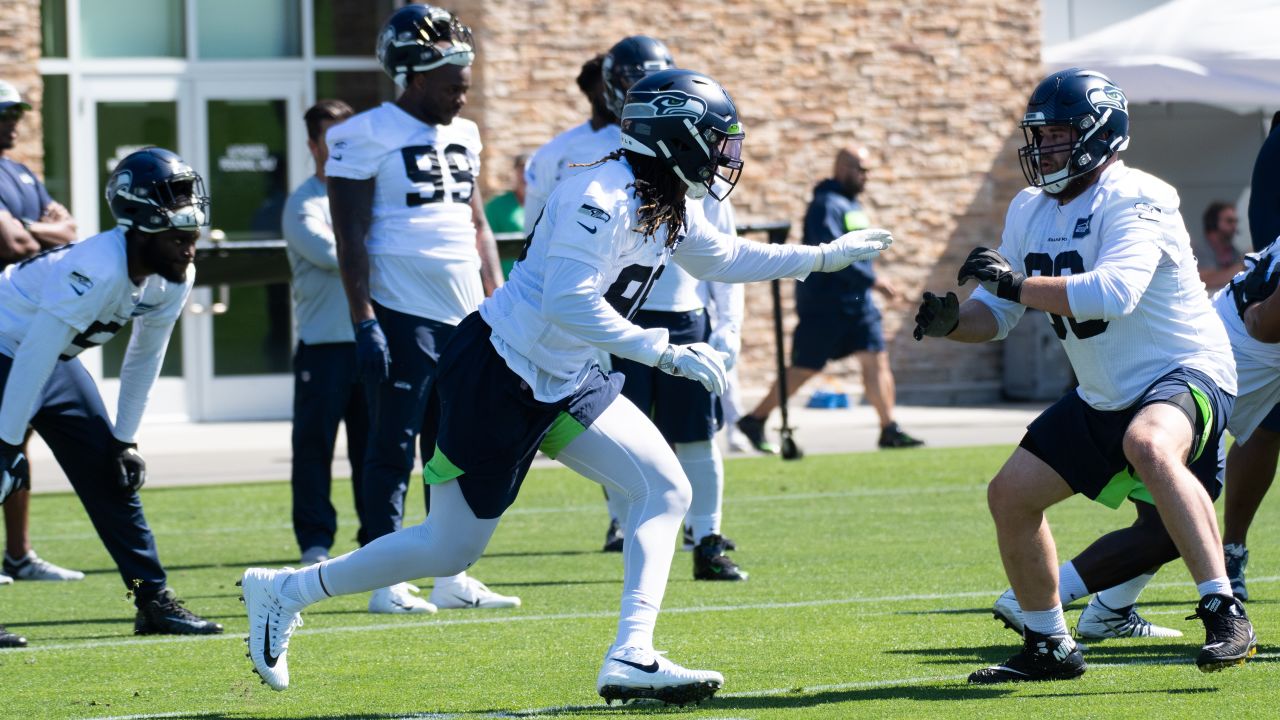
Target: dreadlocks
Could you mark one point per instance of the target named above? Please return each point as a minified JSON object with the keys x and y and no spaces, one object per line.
{"x":661,"y":193}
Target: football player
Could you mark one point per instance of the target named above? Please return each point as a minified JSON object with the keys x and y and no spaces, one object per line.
{"x":416,"y":256}
{"x":520,"y":375}
{"x":77,"y":296}
{"x":1103,"y":250}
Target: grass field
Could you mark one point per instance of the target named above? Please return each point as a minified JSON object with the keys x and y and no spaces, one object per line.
{"x":871,"y":580}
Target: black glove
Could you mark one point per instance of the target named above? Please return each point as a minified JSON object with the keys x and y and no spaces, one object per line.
{"x":994,"y":272}
{"x":938,"y":316}
{"x":372,"y":356}
{"x":1258,"y":284}
{"x":15,"y":474}
{"x":130,"y":468}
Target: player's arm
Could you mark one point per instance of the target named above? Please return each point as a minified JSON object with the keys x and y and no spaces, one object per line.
{"x":486,"y":246}
{"x":709,"y":254}
{"x":143,"y":358}
{"x":351,"y":207}
{"x":45,"y":340}
{"x":15,"y":242}
{"x":1262,"y":319}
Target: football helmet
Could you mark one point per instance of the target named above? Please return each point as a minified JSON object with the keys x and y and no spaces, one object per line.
{"x":688,"y":121}
{"x":408,"y":41}
{"x":1086,"y":101}
{"x":153,"y":190}
{"x":626,"y":62}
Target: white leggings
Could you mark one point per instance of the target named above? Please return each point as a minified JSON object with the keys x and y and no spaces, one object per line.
{"x":623,"y":451}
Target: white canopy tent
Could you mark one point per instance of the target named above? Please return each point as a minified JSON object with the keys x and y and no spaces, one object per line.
{"x":1217,"y":52}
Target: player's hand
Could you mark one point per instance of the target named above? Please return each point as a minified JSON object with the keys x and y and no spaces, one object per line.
{"x":993,"y":271}
{"x":728,"y":341}
{"x":698,"y":361}
{"x":372,"y":355}
{"x":130,"y":468}
{"x":1259,"y":282}
{"x":938,"y":316}
{"x":852,"y":247}
{"x":15,"y":474}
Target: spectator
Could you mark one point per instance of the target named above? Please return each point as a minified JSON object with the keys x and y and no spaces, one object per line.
{"x":326,"y":385}
{"x":505,"y":212}
{"x":30,"y":221}
{"x":837,"y":314}
{"x":1221,"y":261}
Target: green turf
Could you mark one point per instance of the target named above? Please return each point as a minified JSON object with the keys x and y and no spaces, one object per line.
{"x":871,"y":580}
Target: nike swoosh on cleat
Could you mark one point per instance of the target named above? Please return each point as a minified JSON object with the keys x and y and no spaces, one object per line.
{"x":267,"y":657}
{"x":650,"y":668}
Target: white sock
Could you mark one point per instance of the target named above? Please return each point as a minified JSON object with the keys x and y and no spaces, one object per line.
{"x":1070,"y":585}
{"x":1125,"y":594}
{"x":1218,"y":586}
{"x":1046,"y":622}
{"x":705,"y":468}
{"x":304,"y":587}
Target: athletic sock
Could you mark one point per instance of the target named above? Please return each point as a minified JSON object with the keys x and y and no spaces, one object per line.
{"x":304,"y":587}
{"x":1124,"y":594}
{"x":1216,"y":586}
{"x":704,"y":467}
{"x":1046,"y":622}
{"x":1070,"y":584}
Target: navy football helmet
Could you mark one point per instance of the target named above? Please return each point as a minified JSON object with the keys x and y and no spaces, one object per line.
{"x":408,"y":41}
{"x":153,"y":190}
{"x":1086,"y":101}
{"x":626,"y":62}
{"x":688,"y":121}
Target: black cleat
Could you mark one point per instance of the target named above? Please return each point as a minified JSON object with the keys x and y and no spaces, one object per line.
{"x":687,"y":537}
{"x":1228,"y":634}
{"x":11,"y":640}
{"x":892,"y":436}
{"x":710,"y":562}
{"x":753,"y":428}
{"x":165,"y":615}
{"x":1043,"y":657}
{"x":613,"y":537}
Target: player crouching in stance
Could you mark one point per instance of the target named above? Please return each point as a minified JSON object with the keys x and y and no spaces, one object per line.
{"x":77,"y":296}
{"x":520,"y":375}
{"x":1103,"y":250}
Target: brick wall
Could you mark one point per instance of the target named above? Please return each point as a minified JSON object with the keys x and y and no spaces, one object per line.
{"x":19,"y":51}
{"x":934,"y":88}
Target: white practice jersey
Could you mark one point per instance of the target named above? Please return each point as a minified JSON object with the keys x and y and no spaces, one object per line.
{"x":87,"y":286}
{"x":554,"y":162}
{"x":584,"y":272}
{"x":1257,"y":363}
{"x":422,"y":239}
{"x":1140,"y":308}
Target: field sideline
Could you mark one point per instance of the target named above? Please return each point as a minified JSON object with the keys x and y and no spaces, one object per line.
{"x":872,"y":578}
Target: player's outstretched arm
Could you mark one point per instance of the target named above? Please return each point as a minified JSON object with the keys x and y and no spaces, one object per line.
{"x":945,"y":317}
{"x":996,"y":274}
{"x":713,"y":255}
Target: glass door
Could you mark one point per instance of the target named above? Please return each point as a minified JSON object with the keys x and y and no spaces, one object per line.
{"x":250,"y":143}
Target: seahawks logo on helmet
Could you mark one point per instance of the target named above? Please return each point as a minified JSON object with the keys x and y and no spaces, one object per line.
{"x":1109,"y":96}
{"x":119,"y":183}
{"x":669,"y":104}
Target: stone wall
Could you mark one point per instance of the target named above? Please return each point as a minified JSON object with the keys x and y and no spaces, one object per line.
{"x":19,"y":51}
{"x":934,"y":88}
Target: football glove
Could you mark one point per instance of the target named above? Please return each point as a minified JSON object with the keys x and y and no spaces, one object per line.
{"x":1258,"y":284}
{"x":15,"y":474}
{"x":372,"y":356}
{"x":698,"y":361}
{"x":938,"y":316}
{"x":728,"y":341}
{"x":130,"y":468}
{"x":852,"y":247}
{"x":993,"y":271}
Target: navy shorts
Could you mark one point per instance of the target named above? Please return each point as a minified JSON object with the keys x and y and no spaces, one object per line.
{"x":1086,"y":446}
{"x":491,"y":426}
{"x":820,"y":338}
{"x":681,"y":408}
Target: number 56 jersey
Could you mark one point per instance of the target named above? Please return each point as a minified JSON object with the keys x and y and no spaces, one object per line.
{"x":424,"y":174}
{"x":1139,"y":307}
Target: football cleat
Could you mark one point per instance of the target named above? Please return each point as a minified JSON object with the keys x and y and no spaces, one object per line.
{"x":468,"y":592}
{"x":1099,"y":622}
{"x":11,"y":640}
{"x":710,"y":562}
{"x":753,"y":428}
{"x":892,"y":436}
{"x":1043,"y":657}
{"x":1237,"y":558}
{"x":687,"y":537}
{"x":165,"y":615}
{"x":613,"y":537}
{"x":631,"y":673}
{"x":1228,"y":634}
{"x":271,"y":623}
{"x":34,"y":567}
{"x":399,"y":599}
{"x":1008,"y":611}
{"x":5,"y":579}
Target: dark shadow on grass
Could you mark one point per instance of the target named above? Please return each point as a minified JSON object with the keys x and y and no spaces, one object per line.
{"x":544,"y":553}
{"x":1117,"y":652}
{"x":237,"y":565}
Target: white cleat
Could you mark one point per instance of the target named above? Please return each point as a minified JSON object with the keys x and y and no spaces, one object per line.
{"x":468,"y":592}
{"x":271,"y":623}
{"x":1099,"y":622}
{"x":5,"y":579}
{"x":399,"y":599}
{"x":1008,"y":611}
{"x":34,"y":567}
{"x":631,"y":673}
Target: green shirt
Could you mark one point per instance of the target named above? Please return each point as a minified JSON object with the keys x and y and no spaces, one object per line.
{"x":505,"y":213}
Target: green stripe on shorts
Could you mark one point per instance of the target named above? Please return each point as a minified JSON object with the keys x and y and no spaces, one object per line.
{"x":1122,"y":485}
{"x":1206,"y":414}
{"x":563,"y":431}
{"x":439,"y":469}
